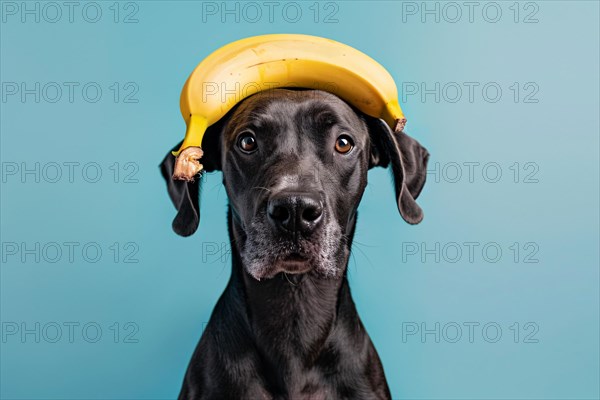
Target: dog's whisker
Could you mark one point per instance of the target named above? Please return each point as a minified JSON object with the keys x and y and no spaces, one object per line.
{"x":262,"y":188}
{"x":288,"y":279}
{"x":352,"y":253}
{"x":364,"y":244}
{"x":234,"y":240}
{"x":362,"y":252}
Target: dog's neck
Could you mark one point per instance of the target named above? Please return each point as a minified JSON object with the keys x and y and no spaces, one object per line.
{"x":297,"y":312}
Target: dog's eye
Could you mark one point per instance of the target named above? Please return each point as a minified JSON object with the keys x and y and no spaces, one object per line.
{"x":344,"y":144}
{"x":247,"y":142}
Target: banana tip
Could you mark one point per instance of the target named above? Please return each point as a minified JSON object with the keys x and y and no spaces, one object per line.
{"x":400,"y":124}
{"x":187,"y":165}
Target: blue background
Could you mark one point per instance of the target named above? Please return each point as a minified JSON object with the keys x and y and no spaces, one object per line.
{"x":169,"y":293}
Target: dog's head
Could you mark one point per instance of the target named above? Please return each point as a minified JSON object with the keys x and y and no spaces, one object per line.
{"x":295,"y":167}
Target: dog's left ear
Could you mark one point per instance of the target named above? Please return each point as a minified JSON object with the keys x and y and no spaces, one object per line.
{"x":408,"y":160}
{"x":186,"y":195}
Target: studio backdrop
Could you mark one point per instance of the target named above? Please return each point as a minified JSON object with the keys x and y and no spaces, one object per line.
{"x":493,"y":296}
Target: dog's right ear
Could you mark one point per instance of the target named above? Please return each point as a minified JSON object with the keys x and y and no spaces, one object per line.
{"x":408,"y":160}
{"x":186,"y":195}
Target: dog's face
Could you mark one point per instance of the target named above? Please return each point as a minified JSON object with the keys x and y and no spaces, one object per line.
{"x":295,"y":166}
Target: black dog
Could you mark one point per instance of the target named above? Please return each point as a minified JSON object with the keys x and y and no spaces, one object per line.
{"x":295,"y":167}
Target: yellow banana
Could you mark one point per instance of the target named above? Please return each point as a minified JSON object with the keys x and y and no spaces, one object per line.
{"x":245,"y":67}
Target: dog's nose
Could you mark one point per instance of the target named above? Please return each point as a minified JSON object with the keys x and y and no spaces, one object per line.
{"x":295,"y":211}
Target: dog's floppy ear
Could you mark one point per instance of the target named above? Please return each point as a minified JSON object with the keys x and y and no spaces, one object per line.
{"x":408,"y":160}
{"x":186,"y":195}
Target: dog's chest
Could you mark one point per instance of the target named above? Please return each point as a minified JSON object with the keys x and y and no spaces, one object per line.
{"x":308,"y":392}
{"x":311,"y":390}
{"x":317,"y":384}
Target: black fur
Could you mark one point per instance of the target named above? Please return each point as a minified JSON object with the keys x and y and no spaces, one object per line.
{"x":286,"y":326}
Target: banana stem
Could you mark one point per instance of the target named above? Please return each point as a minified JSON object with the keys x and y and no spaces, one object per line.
{"x":399,"y":124}
{"x":394,"y":116}
{"x":187,"y":164}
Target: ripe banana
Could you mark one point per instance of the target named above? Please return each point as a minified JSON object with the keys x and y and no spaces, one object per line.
{"x":255,"y":64}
